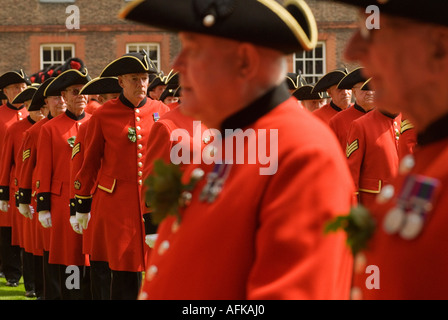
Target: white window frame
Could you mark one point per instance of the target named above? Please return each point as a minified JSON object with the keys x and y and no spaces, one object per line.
{"x":52,"y":46}
{"x":145,"y":46}
{"x":302,"y":56}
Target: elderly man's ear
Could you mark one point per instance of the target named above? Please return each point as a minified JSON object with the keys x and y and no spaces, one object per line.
{"x":248,"y":61}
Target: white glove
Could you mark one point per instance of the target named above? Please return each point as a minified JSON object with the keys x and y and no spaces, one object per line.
{"x":83,"y":220}
{"x":75,"y":224}
{"x":4,"y":205}
{"x":150,"y":239}
{"x":45,"y":218}
{"x":26,"y":210}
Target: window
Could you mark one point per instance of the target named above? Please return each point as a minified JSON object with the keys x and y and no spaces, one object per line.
{"x":311,"y":64}
{"x":153,"y":50}
{"x":55,"y":54}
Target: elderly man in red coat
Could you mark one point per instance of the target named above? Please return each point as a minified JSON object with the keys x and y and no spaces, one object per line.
{"x":54,"y":149}
{"x":11,"y":84}
{"x":248,"y":229}
{"x":407,"y":58}
{"x":110,"y":179}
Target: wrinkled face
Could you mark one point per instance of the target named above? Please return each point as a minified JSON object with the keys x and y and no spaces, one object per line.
{"x":56,"y":105}
{"x":135,"y":86}
{"x":365,"y":98}
{"x":340,"y":97}
{"x":207,"y":74}
{"x":12,"y":90}
{"x":396,"y":57}
{"x":75,"y":102}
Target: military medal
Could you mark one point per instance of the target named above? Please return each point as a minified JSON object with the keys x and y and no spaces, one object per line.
{"x":413,"y":204}
{"x":215,"y":182}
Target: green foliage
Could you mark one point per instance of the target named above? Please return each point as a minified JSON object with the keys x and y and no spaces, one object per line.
{"x":166,"y":193}
{"x":358,"y":225}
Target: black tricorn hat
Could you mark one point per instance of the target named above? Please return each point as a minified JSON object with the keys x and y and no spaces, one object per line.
{"x":66,"y":79}
{"x":134,"y":62}
{"x":38,"y":100}
{"x":26,"y":94}
{"x":70,"y":63}
{"x":330,"y":79}
{"x":351,"y":79}
{"x":433,"y":11}
{"x":305,"y":93}
{"x":12,"y":77}
{"x":157,"y":81}
{"x":289,"y":28}
{"x":172,"y":79}
{"x":101,"y":86}
{"x":366,"y":85}
{"x":294,"y":80}
{"x":170,"y":91}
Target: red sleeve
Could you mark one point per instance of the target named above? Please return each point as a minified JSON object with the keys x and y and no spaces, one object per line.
{"x":355,"y":149}
{"x":44,"y":168}
{"x":87,"y":174}
{"x":6,"y":163}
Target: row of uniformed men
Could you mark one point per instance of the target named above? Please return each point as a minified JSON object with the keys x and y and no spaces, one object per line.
{"x":40,"y":161}
{"x":377,"y":143}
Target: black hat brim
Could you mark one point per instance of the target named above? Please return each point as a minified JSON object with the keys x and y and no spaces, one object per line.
{"x":66,"y":79}
{"x":25,"y":95}
{"x":129,"y":63}
{"x":289,"y":28}
{"x":330,"y":79}
{"x":305,"y":93}
{"x":12,"y":77}
{"x":351,"y":79}
{"x":38,"y":100}
{"x":102,"y":86}
{"x":170,"y":91}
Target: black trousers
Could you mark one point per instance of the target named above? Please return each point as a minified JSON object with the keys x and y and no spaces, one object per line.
{"x":52,"y":279}
{"x":28,"y":271}
{"x":11,"y":257}
{"x":125,"y":285}
{"x":39,"y":276}
{"x":100,"y":280}
{"x":75,"y":282}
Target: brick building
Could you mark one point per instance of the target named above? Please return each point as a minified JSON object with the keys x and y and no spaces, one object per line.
{"x":38,"y":33}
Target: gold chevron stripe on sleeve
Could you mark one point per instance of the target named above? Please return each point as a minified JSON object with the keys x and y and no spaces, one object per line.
{"x":406,"y":125}
{"x":76,"y":149}
{"x":351,"y":148}
{"x":26,"y":154}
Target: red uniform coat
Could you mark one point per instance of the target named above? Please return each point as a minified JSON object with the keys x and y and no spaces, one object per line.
{"x":416,"y":268}
{"x":408,"y":139}
{"x":8,"y":115}
{"x":92,"y":105}
{"x":340,"y":123}
{"x":11,"y":157}
{"x":54,"y":151}
{"x":113,"y":157}
{"x":27,"y":185}
{"x":75,"y":165}
{"x":326,"y":112}
{"x":372,"y":153}
{"x":262,"y":237}
{"x":160,"y":143}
